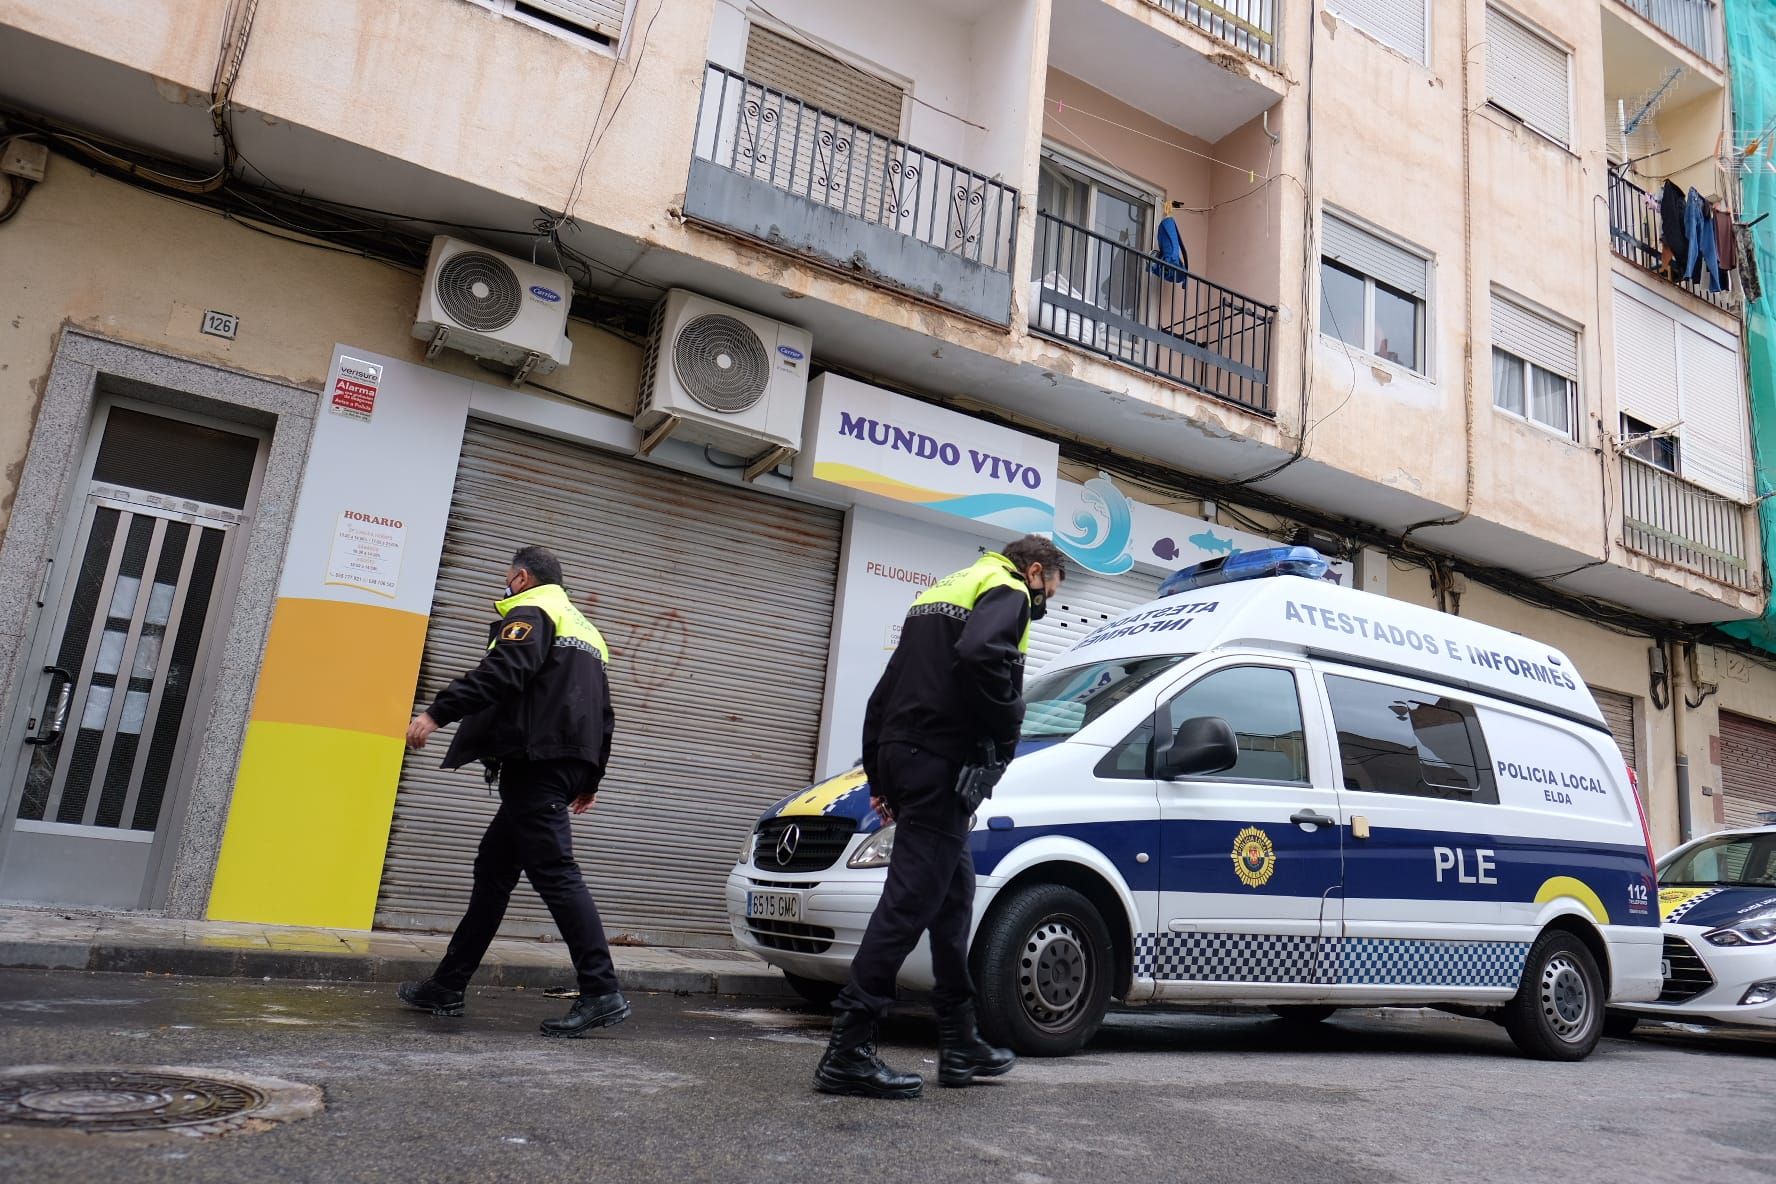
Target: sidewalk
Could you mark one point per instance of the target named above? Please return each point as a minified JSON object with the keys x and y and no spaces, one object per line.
{"x":64,"y":939}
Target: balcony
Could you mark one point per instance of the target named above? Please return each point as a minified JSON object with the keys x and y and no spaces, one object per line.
{"x":1250,"y":26}
{"x":1635,"y":234}
{"x":772,"y":167}
{"x":1666,"y":518}
{"x":1694,"y":23}
{"x":1095,"y":293}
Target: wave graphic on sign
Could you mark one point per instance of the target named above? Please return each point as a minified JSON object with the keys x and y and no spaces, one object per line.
{"x":1099,"y":540}
{"x":1010,"y":511}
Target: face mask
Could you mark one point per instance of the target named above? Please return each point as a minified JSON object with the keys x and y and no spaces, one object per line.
{"x":509,"y":592}
{"x":1038,"y":604}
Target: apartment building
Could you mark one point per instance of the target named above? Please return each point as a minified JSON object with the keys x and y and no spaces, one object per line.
{"x":766,"y":315}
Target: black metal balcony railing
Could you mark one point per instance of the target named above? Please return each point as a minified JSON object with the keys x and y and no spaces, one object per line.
{"x":1127,"y":305}
{"x":802,"y":150}
{"x":1248,"y":25}
{"x":1635,"y":235}
{"x":1692,"y":22}
{"x":1667,"y":518}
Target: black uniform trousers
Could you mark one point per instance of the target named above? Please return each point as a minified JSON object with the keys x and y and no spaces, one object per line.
{"x":930,"y":884}
{"x":530,"y":833}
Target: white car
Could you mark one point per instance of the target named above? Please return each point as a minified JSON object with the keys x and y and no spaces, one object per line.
{"x":1717,"y":896}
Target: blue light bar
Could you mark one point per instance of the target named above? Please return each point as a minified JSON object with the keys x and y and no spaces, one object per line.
{"x":1248,"y":565}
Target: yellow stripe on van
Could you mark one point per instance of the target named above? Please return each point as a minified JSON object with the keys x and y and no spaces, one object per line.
{"x":1559,"y":886}
{"x":820,"y":798}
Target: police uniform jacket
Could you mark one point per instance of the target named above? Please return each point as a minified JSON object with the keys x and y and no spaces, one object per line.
{"x":541,"y":693}
{"x":957,"y":676}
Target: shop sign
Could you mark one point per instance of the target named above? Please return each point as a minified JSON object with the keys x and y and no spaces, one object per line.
{"x":875,"y":447}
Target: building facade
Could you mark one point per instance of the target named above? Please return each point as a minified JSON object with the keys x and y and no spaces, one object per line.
{"x":1169,"y":279}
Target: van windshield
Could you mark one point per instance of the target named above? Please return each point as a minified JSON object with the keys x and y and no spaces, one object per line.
{"x":1061,"y":702}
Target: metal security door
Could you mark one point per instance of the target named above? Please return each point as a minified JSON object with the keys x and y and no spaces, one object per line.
{"x":717,"y":603}
{"x":1748,"y":754}
{"x":1087,"y":601}
{"x":102,"y":744}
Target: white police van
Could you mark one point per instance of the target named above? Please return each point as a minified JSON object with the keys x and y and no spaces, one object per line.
{"x":1266,"y":789}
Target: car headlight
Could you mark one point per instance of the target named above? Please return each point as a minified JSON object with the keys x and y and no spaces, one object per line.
{"x":748,"y":847}
{"x":1758,"y":931}
{"x":876,"y":851}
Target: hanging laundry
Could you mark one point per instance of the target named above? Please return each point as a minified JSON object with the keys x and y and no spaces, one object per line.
{"x":1723,"y":240}
{"x":1173,"y":264}
{"x":1748,"y":265}
{"x":1674,"y":247}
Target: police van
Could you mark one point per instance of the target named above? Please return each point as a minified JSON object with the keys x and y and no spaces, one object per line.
{"x":1264,"y":788}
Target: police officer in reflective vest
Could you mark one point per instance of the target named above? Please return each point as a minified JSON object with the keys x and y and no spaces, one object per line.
{"x":953,"y":690}
{"x":537,"y":713}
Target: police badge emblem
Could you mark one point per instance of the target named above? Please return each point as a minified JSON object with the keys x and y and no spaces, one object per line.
{"x":1254,"y":857}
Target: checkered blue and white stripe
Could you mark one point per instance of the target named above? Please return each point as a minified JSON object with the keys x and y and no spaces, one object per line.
{"x":1273,"y":958}
{"x":1677,"y":913}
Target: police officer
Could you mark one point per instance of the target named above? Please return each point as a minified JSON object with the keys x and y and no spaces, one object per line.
{"x":537,"y":713}
{"x":954,"y":685}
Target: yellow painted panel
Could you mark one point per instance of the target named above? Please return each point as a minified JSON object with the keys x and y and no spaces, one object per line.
{"x":333,"y":664}
{"x":308,"y":827}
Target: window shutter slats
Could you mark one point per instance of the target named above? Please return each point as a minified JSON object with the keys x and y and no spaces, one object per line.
{"x":600,"y":16}
{"x":823,"y":81}
{"x":1716,"y":451}
{"x":1399,"y":23}
{"x":1526,"y":75}
{"x":1646,"y":363}
{"x":1535,"y":338}
{"x":1377,"y":258}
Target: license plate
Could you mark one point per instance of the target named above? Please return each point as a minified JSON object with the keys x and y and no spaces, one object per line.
{"x":1664,"y":968}
{"x":774,"y":906}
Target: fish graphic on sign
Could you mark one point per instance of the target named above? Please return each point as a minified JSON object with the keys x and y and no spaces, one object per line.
{"x":1208,"y":540}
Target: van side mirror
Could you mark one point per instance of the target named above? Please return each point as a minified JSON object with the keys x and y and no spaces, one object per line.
{"x":1200,"y":747}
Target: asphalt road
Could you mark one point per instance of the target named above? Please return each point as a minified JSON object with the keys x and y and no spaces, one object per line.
{"x":701,"y":1089}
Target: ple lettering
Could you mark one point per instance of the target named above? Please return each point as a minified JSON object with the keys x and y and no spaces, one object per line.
{"x":1454,"y":859}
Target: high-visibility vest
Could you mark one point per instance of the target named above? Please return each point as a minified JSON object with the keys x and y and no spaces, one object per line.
{"x":571,"y":626}
{"x":956,"y":595}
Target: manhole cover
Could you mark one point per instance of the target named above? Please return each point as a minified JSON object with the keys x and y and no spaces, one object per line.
{"x":96,"y":1100}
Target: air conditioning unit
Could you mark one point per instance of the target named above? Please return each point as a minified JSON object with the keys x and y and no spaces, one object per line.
{"x":726,"y":378}
{"x":493,"y":306}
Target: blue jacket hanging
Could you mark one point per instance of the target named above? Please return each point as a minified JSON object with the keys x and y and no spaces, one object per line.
{"x":1173,"y":263}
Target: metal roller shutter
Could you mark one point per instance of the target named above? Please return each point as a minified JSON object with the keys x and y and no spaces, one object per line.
{"x":1646,"y":362}
{"x":1376,"y":258}
{"x":1748,"y":768}
{"x":1716,"y":452}
{"x":1526,"y":75}
{"x":1399,"y":23}
{"x":1535,"y":338}
{"x":600,"y":16}
{"x":717,"y":603}
{"x":1618,"y":712}
{"x":1087,"y":600}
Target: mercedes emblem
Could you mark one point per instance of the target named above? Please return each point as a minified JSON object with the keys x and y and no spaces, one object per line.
{"x":787,"y":843}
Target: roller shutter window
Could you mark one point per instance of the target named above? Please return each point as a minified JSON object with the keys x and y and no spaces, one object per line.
{"x":1345,"y":242}
{"x":1527,"y":76}
{"x":1618,"y":713}
{"x":1717,"y":447}
{"x":823,"y":80}
{"x":603,"y":17}
{"x":1087,"y":600}
{"x":1540,"y":378}
{"x":1646,"y":363}
{"x":717,"y":603}
{"x":1402,"y":24}
{"x":1748,"y":768}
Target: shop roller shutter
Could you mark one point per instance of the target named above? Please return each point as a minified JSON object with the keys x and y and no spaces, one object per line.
{"x":717,"y":603}
{"x":1087,"y":600}
{"x":1618,"y":712}
{"x":1748,"y":769}
{"x":1349,"y":244}
{"x":1526,"y":75}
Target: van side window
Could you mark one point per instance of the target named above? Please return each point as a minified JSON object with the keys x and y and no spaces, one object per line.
{"x":1392,"y":740}
{"x":1262,"y":706}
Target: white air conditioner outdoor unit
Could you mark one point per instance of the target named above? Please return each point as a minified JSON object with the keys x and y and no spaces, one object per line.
{"x":726,"y":378}
{"x":490,"y":305}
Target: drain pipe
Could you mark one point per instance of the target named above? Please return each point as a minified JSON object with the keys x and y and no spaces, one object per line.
{"x":1685,"y":824}
{"x":1679,"y":735}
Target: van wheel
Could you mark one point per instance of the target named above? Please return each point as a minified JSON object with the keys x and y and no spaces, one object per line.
{"x":1557,"y":1013}
{"x":816,"y":992}
{"x":1302,"y":1014}
{"x":1044,"y":964}
{"x":1620,"y":1024}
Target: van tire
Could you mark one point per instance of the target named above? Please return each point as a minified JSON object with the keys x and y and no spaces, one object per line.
{"x":1303,"y":1014}
{"x":1557,"y":1013}
{"x":1043,"y":962}
{"x":815,"y":992}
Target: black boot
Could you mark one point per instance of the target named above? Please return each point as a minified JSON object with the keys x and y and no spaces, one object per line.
{"x":961,"y":1053}
{"x":603,"y":1011}
{"x":850,"y":1065}
{"x":429,"y":996}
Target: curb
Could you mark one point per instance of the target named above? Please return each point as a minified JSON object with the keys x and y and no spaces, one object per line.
{"x":186,"y":961}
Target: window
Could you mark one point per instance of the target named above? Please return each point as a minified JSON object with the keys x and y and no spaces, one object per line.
{"x":785,"y":64}
{"x":1061,"y":702}
{"x":1401,"y":24}
{"x":1535,"y":367}
{"x":1526,"y":77}
{"x":1676,"y":371}
{"x":1373,"y":293}
{"x":1110,"y":210}
{"x":1658,"y":451}
{"x":1395,"y":740}
{"x":1262,"y":706}
{"x":1741,"y":861}
{"x":596,"y":20}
